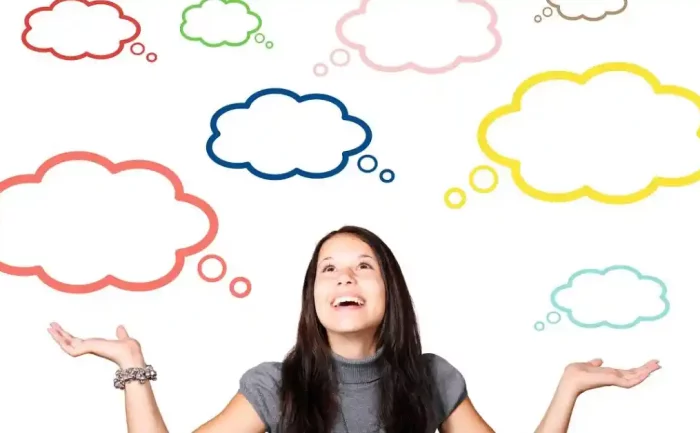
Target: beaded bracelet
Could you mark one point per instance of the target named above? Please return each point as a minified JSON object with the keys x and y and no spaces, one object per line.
{"x":125,"y":376}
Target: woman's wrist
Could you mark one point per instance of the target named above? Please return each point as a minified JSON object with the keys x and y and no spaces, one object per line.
{"x":134,"y":359}
{"x":567,"y":390}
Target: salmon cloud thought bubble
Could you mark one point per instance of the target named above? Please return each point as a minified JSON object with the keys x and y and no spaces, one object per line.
{"x":78,"y":29}
{"x":614,"y":134}
{"x":427,"y":36}
{"x":81,"y":223}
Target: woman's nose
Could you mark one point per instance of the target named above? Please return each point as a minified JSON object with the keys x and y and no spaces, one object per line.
{"x":345,"y":278}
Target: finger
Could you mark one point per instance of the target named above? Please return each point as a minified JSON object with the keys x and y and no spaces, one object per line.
{"x":56,"y":337}
{"x":121,"y":332}
{"x":652,"y":365}
{"x":65,"y":345}
{"x":633,"y":377}
{"x":59,"y":336}
{"x":597,"y":362}
{"x":647,"y":368}
{"x":61,"y":331}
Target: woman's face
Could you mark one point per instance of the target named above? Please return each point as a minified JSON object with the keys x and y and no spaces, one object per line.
{"x":349,"y":292}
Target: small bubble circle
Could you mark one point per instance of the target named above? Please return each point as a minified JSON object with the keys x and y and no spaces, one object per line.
{"x":151,"y":57}
{"x":461,"y":200}
{"x":259,"y":38}
{"x":137,"y":49}
{"x":387,"y":175}
{"x":539,"y":326}
{"x":547,"y":12}
{"x":340,"y":57}
{"x":212,"y":258}
{"x":320,"y":70}
{"x":490,"y":173}
{"x":236,"y":283}
{"x":538,"y":19}
{"x":269,"y":44}
{"x":553,"y":317}
{"x":363,"y":167}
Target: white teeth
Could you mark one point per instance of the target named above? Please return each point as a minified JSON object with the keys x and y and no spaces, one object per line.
{"x":341,"y":299}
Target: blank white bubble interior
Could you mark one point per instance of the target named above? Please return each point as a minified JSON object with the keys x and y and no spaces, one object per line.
{"x":618,"y":297}
{"x":72,"y":28}
{"x":83,"y":223}
{"x":567,"y":135}
{"x":216,"y":22}
{"x":211,"y":268}
{"x":588,"y":8}
{"x":277,"y":135}
{"x":431,"y":33}
{"x":484,"y":179}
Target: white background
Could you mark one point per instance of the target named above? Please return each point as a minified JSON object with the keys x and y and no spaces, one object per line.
{"x":480,"y":276}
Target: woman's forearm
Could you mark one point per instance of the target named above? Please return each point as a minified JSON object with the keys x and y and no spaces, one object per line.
{"x":558,"y":415}
{"x":142,"y":413}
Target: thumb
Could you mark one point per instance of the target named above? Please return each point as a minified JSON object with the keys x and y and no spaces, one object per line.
{"x":597,"y":362}
{"x":121,"y":333}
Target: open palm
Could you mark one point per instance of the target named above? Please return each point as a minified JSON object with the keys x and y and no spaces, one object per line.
{"x":122,"y":351}
{"x":584,"y":376}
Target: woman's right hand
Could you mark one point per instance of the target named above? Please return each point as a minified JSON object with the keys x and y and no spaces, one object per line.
{"x":124,"y":351}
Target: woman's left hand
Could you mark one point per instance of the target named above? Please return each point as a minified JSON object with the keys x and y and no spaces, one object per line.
{"x":580,"y":377}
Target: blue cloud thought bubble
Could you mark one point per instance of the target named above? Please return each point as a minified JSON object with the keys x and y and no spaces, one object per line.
{"x":343,"y":156}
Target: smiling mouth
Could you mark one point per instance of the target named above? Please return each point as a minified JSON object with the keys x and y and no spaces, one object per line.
{"x":348,"y":302}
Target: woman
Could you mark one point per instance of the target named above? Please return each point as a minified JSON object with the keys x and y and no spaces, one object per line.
{"x":357,"y":365}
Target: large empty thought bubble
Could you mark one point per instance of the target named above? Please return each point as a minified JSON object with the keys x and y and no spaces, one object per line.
{"x":217,"y":23}
{"x":81,"y":223}
{"x":589,"y":10}
{"x":277,"y":134}
{"x":614,"y":134}
{"x":429,"y":36}
{"x":617,"y":297}
{"x":76,"y":29}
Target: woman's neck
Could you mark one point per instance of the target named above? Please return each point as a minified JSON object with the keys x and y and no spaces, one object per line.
{"x":353,"y":346}
{"x":358,"y":371}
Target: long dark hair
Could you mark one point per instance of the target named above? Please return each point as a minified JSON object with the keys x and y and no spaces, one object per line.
{"x":309,"y":401}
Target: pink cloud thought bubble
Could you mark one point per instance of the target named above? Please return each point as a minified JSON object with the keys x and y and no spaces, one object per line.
{"x":487,"y":44}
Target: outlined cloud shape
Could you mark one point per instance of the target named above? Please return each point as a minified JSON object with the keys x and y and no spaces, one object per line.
{"x":618,"y":297}
{"x":277,"y":134}
{"x":78,"y":29}
{"x":219,"y":23}
{"x":614,"y":134}
{"x":81,"y":223}
{"x":589,"y":10}
{"x":427,"y":36}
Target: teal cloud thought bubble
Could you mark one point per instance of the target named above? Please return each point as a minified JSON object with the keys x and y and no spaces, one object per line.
{"x":618,"y":297}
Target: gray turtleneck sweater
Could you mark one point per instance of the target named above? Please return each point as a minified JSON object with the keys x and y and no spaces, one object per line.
{"x":359,"y":392}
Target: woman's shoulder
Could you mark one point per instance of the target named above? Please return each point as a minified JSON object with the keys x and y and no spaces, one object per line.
{"x":450,"y":385}
{"x":260,"y":385}
{"x":440,"y":368}
{"x":266,"y":375}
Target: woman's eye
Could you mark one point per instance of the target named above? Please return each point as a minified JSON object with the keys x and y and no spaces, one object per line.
{"x":328,"y":268}
{"x":365,"y":266}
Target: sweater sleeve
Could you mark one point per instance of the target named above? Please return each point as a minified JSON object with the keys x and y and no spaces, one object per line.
{"x":450,"y":388}
{"x":260,"y":386}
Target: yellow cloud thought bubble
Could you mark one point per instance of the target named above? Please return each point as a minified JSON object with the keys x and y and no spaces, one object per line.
{"x":613,"y":133}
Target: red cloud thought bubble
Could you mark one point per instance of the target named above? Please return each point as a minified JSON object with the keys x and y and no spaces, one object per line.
{"x":76,"y":29}
{"x":127,"y":171}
